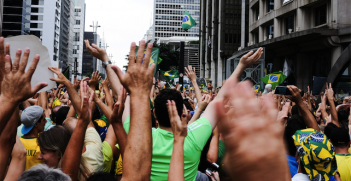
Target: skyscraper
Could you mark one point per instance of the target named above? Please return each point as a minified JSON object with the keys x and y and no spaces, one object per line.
{"x":168,"y":17}
{"x":79,"y":25}
{"x":16,"y":17}
{"x":1,"y":10}
{"x":64,"y":32}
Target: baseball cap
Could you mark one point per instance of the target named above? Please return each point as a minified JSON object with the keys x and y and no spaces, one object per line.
{"x":29,"y":117}
{"x":339,"y":136}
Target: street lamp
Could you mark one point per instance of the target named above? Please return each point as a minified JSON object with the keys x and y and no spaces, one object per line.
{"x":95,"y":27}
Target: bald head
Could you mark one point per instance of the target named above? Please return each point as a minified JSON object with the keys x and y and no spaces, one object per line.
{"x":70,"y":123}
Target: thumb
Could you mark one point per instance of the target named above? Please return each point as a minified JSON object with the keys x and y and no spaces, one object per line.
{"x":38,"y":87}
{"x":118,"y":71}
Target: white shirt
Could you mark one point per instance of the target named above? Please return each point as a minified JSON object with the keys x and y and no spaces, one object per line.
{"x":301,"y":177}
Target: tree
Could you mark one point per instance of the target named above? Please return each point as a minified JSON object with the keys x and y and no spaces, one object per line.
{"x":169,"y":57}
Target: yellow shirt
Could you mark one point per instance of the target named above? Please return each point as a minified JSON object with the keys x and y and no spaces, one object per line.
{"x":119,"y":166}
{"x":344,"y":166}
{"x":33,"y":151}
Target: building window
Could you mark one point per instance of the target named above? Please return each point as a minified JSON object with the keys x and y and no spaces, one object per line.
{"x":36,"y":25}
{"x":37,"y":10}
{"x":320,"y":15}
{"x":74,"y":51}
{"x":270,"y":5}
{"x":289,"y":24}
{"x":76,"y":36}
{"x":37,"y":2}
{"x":77,"y":22}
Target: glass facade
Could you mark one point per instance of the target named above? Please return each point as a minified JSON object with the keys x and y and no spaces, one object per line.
{"x":169,"y":15}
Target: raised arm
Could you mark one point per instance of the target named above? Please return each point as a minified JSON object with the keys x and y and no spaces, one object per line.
{"x":15,"y":83}
{"x":72,"y":92}
{"x":307,"y":116}
{"x":138,"y":82}
{"x":190,"y":73}
{"x":101,"y":54}
{"x":73,"y":153}
{"x":202,"y":104}
{"x":334,"y":114}
{"x":7,"y":140}
{"x":108,"y":96}
{"x":245,"y":62}
{"x":179,"y":129}
{"x":212,"y":154}
{"x":18,"y":161}
{"x":116,"y":122}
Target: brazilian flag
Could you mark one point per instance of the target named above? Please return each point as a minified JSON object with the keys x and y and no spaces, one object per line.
{"x":274,"y":79}
{"x":170,"y":74}
{"x":154,"y":59}
{"x":257,"y":87}
{"x":187,"y":22}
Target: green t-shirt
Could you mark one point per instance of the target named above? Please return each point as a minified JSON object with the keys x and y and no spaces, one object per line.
{"x":108,"y":156}
{"x":162,"y":146}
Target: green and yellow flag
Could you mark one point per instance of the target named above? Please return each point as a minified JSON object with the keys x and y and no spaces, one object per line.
{"x":257,"y":87}
{"x":188,"y":21}
{"x":170,"y":74}
{"x":154,"y":57}
{"x":274,"y":79}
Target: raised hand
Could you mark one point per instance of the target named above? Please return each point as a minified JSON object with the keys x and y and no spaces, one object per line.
{"x":295,"y":93}
{"x":205,"y":100}
{"x":105,"y":83}
{"x":214,"y":176}
{"x":179,"y":125}
{"x":16,"y":83}
{"x":76,"y":83}
{"x":138,"y":78}
{"x":96,"y":51}
{"x":330,"y":92}
{"x":283,"y":114}
{"x":190,"y":73}
{"x":94,"y":80}
{"x":251,"y":58}
{"x":247,"y":129}
{"x":86,"y":96}
{"x":61,"y":79}
{"x":116,"y":116}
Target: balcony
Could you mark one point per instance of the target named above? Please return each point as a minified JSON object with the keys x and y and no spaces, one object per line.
{"x":304,"y":3}
{"x":253,"y":3}
{"x":288,"y":7}
{"x":267,"y":17}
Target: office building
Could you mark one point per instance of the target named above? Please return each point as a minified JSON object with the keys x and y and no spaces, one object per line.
{"x":15,"y":17}
{"x":79,"y":28}
{"x":90,"y":64}
{"x":71,"y":60}
{"x":313,"y":36}
{"x":45,"y":23}
{"x":223,"y":30}
{"x":168,"y":15}
{"x":64,"y":34}
{"x":149,"y":34}
{"x":1,"y":8}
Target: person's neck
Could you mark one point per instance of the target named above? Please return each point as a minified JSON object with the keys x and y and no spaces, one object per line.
{"x":169,"y":129}
{"x":341,"y":150}
{"x":33,"y":133}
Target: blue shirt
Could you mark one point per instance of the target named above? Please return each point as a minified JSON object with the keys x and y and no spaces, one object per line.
{"x":293,"y":166}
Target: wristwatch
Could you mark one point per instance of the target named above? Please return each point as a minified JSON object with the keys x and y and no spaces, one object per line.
{"x":104,"y":64}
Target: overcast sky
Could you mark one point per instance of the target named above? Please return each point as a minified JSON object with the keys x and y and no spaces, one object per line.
{"x":122,"y":22}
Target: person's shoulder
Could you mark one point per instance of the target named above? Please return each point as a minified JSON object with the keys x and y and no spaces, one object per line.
{"x":201,"y":120}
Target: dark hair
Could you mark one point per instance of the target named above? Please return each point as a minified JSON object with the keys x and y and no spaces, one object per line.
{"x":340,"y":137}
{"x":54,"y":112}
{"x":61,"y":115}
{"x":161,"y":107}
{"x":329,"y":128}
{"x":343,"y":115}
{"x":187,"y":105}
{"x":153,"y":119}
{"x":293,"y":124}
{"x":294,"y":110}
{"x":101,"y":176}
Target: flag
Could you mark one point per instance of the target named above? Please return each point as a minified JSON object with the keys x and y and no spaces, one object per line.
{"x":153,"y":58}
{"x":286,"y":69}
{"x":274,"y":79}
{"x":159,"y":61}
{"x":170,"y":74}
{"x":257,"y":87}
{"x":188,"y":21}
{"x":201,"y":82}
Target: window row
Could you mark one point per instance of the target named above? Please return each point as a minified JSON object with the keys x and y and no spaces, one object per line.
{"x":34,"y":10}
{"x":179,"y":1}
{"x":170,"y":6}
{"x":168,"y":23}
{"x":175,"y":34}
{"x":176,"y":12}
{"x":35,"y":2}
{"x":232,"y":38}
{"x":176,"y":29}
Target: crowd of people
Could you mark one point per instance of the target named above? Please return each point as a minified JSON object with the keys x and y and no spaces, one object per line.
{"x":129,"y":127}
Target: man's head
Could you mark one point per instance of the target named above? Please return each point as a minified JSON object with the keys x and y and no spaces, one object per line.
{"x":33,"y":118}
{"x":54,"y":113}
{"x":61,"y":114}
{"x":315,"y":153}
{"x":329,"y":128}
{"x":161,"y":105}
{"x":70,"y":124}
{"x":42,"y":172}
{"x":340,"y":138}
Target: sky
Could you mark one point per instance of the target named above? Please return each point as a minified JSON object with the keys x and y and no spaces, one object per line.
{"x":122,"y":22}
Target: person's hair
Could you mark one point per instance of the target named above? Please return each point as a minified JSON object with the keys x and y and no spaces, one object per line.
{"x":54,"y":112}
{"x":328,"y":129}
{"x":343,"y":117}
{"x":153,"y":119}
{"x":294,"y":110}
{"x":61,"y":115}
{"x":293,"y":124}
{"x":101,"y":176}
{"x":187,"y":105}
{"x":340,"y":137}
{"x":42,"y":172}
{"x":161,"y":105}
{"x":55,"y":139}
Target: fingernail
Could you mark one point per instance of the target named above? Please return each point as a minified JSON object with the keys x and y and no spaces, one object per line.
{"x":19,"y":51}
{"x":133,"y":43}
{"x":150,"y":45}
{"x":27,"y":50}
{"x":7,"y":57}
{"x":37,"y":56}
